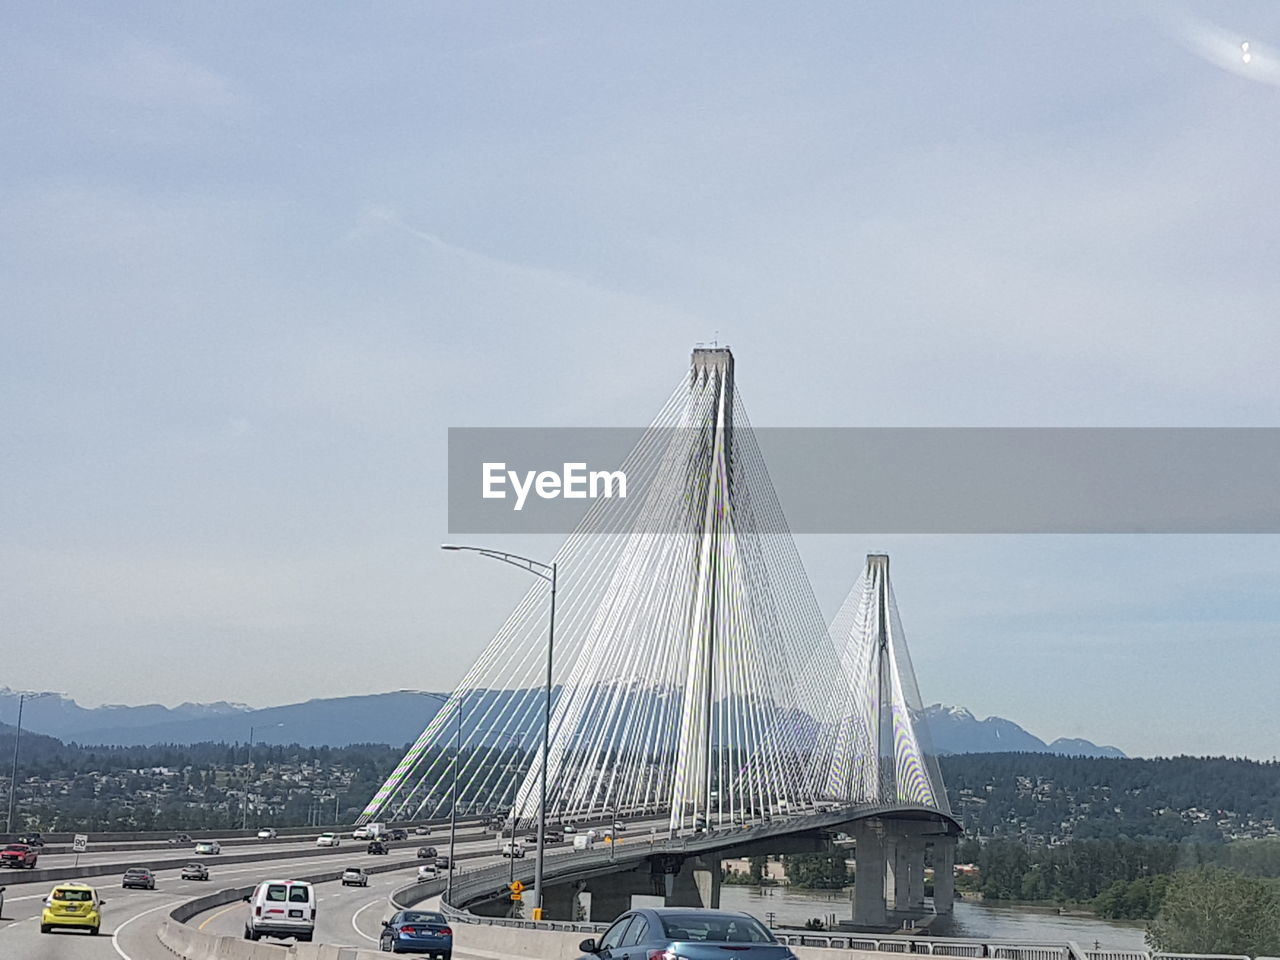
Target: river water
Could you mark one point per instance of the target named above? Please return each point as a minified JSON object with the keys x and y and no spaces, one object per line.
{"x":973,"y":919}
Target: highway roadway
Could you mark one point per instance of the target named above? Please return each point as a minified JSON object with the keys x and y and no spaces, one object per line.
{"x":180,"y":851}
{"x":131,"y":917}
{"x":350,"y":916}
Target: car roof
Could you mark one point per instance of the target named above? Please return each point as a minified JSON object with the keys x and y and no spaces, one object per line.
{"x":699,"y":911}
{"x":72,"y":886}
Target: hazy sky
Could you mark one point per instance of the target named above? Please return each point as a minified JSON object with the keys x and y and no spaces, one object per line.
{"x":254,"y":259}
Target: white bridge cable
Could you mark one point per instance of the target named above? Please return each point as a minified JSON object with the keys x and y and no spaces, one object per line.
{"x":694,"y":672}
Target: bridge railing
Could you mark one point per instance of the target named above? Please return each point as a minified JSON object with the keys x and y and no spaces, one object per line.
{"x":996,"y":950}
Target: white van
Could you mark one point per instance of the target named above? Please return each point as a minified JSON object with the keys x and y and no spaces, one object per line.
{"x":281,"y":908}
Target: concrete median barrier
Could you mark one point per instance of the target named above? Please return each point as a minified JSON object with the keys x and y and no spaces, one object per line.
{"x":119,"y":836}
{"x":191,"y":944}
{"x":55,"y":874}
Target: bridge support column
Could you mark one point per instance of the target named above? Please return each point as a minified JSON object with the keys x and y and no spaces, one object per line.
{"x":915,"y":874}
{"x":609,"y":901}
{"x":696,"y":885}
{"x":944,"y":875}
{"x":561,"y":903}
{"x":869,"y":874}
{"x":895,"y":876}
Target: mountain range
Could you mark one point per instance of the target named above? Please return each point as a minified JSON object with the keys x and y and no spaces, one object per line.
{"x":956,"y":730}
{"x":397,"y":718}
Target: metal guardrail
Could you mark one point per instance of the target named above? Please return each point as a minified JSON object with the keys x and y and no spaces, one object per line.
{"x":489,"y":883}
{"x":994,"y":949}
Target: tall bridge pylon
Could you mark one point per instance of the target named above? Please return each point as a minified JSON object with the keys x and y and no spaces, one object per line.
{"x":693,"y":669}
{"x":882,"y":751}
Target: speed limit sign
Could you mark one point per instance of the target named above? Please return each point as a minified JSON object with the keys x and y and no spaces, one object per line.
{"x":80,"y":843}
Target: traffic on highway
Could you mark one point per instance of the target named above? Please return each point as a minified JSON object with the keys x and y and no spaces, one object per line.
{"x":127,"y":907}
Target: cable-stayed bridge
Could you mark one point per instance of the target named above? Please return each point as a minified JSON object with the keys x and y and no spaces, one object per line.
{"x":694,"y":676}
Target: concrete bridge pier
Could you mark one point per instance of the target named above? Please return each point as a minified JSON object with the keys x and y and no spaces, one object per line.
{"x":696,"y":885}
{"x":944,"y":875}
{"x":611,"y":893}
{"x":869,"y":874}
{"x":889,"y":872}
{"x":561,"y":902}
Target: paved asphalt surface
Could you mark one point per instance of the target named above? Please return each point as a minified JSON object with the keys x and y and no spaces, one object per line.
{"x":131,"y":917}
{"x":348,"y":916}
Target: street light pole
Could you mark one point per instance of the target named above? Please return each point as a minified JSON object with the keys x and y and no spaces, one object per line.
{"x":546,"y":572}
{"x":13,"y":771}
{"x":248,"y":762}
{"x":453,"y":807}
{"x":244,"y":810}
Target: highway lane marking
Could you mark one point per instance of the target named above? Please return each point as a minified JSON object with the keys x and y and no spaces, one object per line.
{"x":116,"y":932}
{"x":215,"y":916}
{"x":355,"y":915}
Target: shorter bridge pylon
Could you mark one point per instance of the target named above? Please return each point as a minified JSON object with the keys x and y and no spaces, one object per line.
{"x":882,"y":752}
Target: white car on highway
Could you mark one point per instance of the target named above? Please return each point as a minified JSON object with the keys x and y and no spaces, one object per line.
{"x":427,"y":871}
{"x":208,"y":847}
{"x":267,"y":833}
{"x":327,"y":840}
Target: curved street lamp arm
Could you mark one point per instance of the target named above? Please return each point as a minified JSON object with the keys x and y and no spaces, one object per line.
{"x":537,"y":568}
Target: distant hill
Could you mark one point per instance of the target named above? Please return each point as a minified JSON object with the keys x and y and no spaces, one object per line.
{"x":394,"y":718}
{"x":956,"y":730}
{"x":34,"y":745}
{"x":398,"y":717}
{"x":60,"y":716}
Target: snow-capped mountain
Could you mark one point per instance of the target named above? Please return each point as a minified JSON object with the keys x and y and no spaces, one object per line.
{"x":956,"y":730}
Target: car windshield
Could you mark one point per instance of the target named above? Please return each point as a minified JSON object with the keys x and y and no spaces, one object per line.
{"x":136,"y":872}
{"x":723,"y":929}
{"x":73,"y":896}
{"x":16,"y":848}
{"x":299,"y":895}
{"x":194,"y":866}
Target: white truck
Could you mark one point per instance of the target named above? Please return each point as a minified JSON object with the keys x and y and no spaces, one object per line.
{"x":584,"y":841}
{"x":370,"y":831}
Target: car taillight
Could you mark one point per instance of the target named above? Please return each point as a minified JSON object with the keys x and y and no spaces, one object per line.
{"x":257,"y":911}
{"x":663,"y":955}
{"x":405,"y":930}
{"x":447,"y":932}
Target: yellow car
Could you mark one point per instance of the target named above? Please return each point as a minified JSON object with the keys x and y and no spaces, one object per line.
{"x":72,"y":905}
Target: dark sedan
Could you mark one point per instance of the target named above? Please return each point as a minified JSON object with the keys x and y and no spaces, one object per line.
{"x":417,"y":931}
{"x":687,"y":933}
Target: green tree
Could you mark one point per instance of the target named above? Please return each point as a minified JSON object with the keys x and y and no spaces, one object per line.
{"x":1212,"y":910}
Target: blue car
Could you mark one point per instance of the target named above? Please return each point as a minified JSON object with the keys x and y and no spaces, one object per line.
{"x":668,"y":933}
{"x":417,"y":931}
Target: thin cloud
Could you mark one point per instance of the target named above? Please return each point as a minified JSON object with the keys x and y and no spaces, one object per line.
{"x":1234,"y":51}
